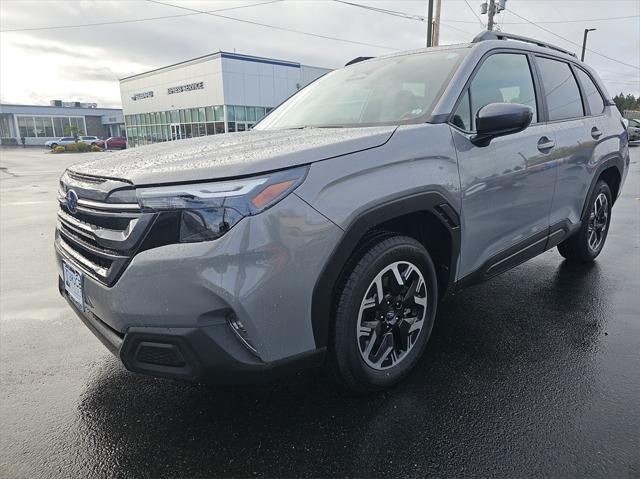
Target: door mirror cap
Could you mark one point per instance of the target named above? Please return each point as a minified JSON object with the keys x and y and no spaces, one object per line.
{"x":499,"y":119}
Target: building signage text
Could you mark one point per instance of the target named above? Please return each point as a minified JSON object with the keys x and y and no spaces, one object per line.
{"x":140,"y":96}
{"x":190,"y":87}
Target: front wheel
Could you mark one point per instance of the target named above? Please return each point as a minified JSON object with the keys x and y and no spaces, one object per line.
{"x":587,"y":243}
{"x":385,"y":313}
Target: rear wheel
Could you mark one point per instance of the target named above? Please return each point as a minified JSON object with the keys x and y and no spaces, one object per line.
{"x":587,"y":243}
{"x":53,"y":145}
{"x":385,"y":314}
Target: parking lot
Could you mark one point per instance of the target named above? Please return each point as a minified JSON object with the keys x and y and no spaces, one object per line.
{"x":534,"y":373}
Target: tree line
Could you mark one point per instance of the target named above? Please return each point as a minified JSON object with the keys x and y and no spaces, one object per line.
{"x":626,"y":102}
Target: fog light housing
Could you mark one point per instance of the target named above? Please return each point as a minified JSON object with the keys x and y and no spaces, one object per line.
{"x":238,"y":328}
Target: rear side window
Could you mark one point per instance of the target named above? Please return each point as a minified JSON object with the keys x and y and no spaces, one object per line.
{"x":594,"y":100}
{"x":502,"y":78}
{"x":561,"y":90}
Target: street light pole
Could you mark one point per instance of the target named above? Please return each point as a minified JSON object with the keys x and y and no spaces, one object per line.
{"x":584,"y":41}
{"x":430,"y":24}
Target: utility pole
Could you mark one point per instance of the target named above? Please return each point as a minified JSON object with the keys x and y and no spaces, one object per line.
{"x":490,"y":13}
{"x":436,"y":25}
{"x":430,"y":24}
{"x":584,"y":41}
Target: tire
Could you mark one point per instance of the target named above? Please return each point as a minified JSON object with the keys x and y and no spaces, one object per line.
{"x":53,"y":145}
{"x":585,"y":245}
{"x":358,"y":364}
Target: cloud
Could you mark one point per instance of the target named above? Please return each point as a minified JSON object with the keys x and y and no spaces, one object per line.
{"x":78,"y":62}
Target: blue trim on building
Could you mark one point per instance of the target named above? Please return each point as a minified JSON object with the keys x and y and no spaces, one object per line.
{"x":249,"y":58}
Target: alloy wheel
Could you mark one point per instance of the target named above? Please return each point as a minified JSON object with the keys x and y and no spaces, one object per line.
{"x":598,"y":222}
{"x":392,"y":314}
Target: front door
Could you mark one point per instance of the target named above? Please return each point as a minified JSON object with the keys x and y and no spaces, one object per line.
{"x":507,"y":186}
{"x":176,"y":132}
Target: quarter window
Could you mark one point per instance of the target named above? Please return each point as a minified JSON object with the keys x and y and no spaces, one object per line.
{"x":502,"y":78}
{"x":591,"y":93}
{"x":561,"y":90}
{"x":462,"y":116}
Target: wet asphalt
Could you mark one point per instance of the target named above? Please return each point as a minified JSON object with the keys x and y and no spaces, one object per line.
{"x":534,"y":373}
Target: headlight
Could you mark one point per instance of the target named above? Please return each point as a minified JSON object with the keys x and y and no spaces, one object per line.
{"x":205,"y":211}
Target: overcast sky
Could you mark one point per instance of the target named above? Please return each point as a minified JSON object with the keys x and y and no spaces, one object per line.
{"x":84,"y":63}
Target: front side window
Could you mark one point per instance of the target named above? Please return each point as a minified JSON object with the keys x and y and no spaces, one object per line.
{"x":383,"y":91}
{"x":591,"y":93}
{"x":560,"y":89}
{"x":503,"y":78}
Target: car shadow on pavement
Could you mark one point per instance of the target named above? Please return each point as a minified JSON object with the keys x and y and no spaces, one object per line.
{"x":510,"y":357}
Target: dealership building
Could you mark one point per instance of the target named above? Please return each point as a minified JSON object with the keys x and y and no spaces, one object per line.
{"x":38,"y":124}
{"x":218,"y":93}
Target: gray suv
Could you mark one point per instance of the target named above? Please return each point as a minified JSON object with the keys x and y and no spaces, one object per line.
{"x":329,"y":233}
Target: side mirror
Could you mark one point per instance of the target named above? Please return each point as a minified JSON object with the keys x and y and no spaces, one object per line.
{"x":499,"y":119}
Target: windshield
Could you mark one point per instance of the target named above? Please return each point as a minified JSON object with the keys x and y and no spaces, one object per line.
{"x":392,"y":90}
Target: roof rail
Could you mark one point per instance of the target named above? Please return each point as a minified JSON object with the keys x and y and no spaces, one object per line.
{"x":357,"y":60}
{"x":491,"y":35}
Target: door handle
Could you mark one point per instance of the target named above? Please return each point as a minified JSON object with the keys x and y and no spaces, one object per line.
{"x":596,"y":133}
{"x":545,"y":144}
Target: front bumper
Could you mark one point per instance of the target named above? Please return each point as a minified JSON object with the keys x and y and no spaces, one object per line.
{"x":210,"y":354}
{"x":168,"y":313}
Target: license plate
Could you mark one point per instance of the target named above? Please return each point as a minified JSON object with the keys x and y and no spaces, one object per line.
{"x":73,"y":285}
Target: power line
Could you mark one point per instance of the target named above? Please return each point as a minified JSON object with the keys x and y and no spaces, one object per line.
{"x":474,"y":13}
{"x":572,"y":42}
{"x":394,"y":13}
{"x":266,"y":25}
{"x":586,"y":20}
{"x":446,"y":24}
{"x":118,"y":22}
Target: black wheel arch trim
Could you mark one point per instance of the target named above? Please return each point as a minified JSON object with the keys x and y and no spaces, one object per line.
{"x":616,"y":162}
{"x":431,"y":201}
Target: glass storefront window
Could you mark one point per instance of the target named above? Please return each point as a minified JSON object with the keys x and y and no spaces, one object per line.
{"x":26,"y":126}
{"x":231,"y":114}
{"x":78,"y":123}
{"x":231,"y":126}
{"x":175,"y":116}
{"x":240,"y":113}
{"x":202,"y":129}
{"x":251,"y":113}
{"x":201,"y":116}
{"x":44,"y":127}
{"x":219,"y":127}
{"x":209,"y":113}
{"x":218,"y":113}
{"x":260,"y":113}
{"x":182,"y":116}
{"x":210,"y":129}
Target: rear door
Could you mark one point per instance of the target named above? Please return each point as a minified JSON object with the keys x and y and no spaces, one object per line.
{"x":575,"y":110}
{"x":507,"y":186}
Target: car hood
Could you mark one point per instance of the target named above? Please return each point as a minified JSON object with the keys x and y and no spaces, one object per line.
{"x":229,"y":155}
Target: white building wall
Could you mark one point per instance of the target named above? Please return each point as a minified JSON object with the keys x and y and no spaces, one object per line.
{"x":256,"y":83}
{"x":309,"y":74}
{"x":208,"y":71}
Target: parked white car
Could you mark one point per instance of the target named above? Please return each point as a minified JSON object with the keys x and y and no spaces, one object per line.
{"x":66,"y":140}
{"x":89,"y":140}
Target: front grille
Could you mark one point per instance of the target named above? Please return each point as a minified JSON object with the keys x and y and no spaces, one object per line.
{"x":99,"y":237}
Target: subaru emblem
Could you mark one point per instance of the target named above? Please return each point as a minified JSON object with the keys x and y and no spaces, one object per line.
{"x":72,"y":201}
